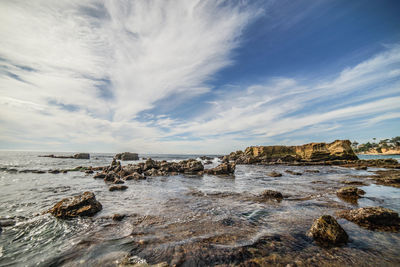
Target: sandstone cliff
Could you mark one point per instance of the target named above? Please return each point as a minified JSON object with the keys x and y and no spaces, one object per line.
{"x":337,"y":150}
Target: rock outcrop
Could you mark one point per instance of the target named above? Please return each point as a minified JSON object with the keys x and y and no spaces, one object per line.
{"x":377,"y":218}
{"x":274,"y":174}
{"x":327,"y":231}
{"x":223,"y":169}
{"x":118,"y":187}
{"x":127,"y":156}
{"x":82,"y":156}
{"x":82,"y":205}
{"x":271,"y":194}
{"x":350,"y":192}
{"x":313,"y":152}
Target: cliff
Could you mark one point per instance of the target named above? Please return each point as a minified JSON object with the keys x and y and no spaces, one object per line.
{"x":337,"y":150}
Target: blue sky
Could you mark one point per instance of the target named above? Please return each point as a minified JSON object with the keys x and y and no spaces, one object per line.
{"x":196,"y":76}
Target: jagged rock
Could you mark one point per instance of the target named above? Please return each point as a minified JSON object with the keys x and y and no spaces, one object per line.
{"x":118,"y":181}
{"x":99,"y":175}
{"x":118,"y":217}
{"x":222,"y":169}
{"x":127,"y":156}
{"x":293,"y":172}
{"x":82,"y":205}
{"x":82,"y":156}
{"x":192,"y":166}
{"x":134,"y":176}
{"x":271,"y":194}
{"x":110,"y":177}
{"x":150,"y":164}
{"x":7,"y":223}
{"x":274,"y":174}
{"x":118,"y":187}
{"x":327,"y":230}
{"x":350,"y":192}
{"x":377,"y":218}
{"x":89,"y":171}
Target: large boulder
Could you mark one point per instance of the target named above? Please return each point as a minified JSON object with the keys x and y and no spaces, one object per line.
{"x":350,"y":192}
{"x":327,"y":230}
{"x":378,"y":218}
{"x":191,"y":166}
{"x":81,"y":205}
{"x":226,"y":168}
{"x":127,"y":156}
{"x":82,"y":156}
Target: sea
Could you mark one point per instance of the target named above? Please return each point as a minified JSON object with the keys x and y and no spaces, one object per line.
{"x":186,"y":220}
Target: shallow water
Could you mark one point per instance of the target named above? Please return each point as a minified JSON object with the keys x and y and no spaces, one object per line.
{"x":186,"y":220}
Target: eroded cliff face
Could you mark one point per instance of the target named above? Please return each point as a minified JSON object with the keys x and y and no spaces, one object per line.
{"x":337,"y":150}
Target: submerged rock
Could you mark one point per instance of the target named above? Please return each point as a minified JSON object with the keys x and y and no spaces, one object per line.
{"x":118,"y":187}
{"x":118,"y":217}
{"x":271,"y":194}
{"x":127,"y":156}
{"x":378,"y":218}
{"x":99,"y":175}
{"x":82,"y":156}
{"x":82,"y":205}
{"x":225,"y":168}
{"x":293,"y":172}
{"x":274,"y":174}
{"x":7,"y":223}
{"x":327,"y":230}
{"x":350,"y":192}
{"x":134,"y":176}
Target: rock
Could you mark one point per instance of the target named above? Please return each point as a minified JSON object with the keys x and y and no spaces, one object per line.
{"x":7,"y":223}
{"x":118,"y":181}
{"x":223,"y":169}
{"x":274,"y":174}
{"x":271,"y":194}
{"x":99,"y":175}
{"x":134,"y":176}
{"x":363,"y":168}
{"x":89,"y":171}
{"x":312,"y":171}
{"x":118,"y":217}
{"x":127,"y":156}
{"x":327,"y":230}
{"x":378,"y":218}
{"x":350,"y":192}
{"x":150,"y":164}
{"x":293,"y":172}
{"x":1,"y":230}
{"x":54,"y":171}
{"x":111,"y":177}
{"x":337,"y":150}
{"x":82,"y":156}
{"x":353,"y":182}
{"x":118,"y":187}
{"x":192,"y":166}
{"x":82,"y":205}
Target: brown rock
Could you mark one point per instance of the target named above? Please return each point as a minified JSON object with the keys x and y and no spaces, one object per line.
{"x":350,"y":192}
{"x":134,"y":176}
{"x":271,"y":194}
{"x":118,"y":187}
{"x":127,"y":156}
{"x":274,"y":174}
{"x":118,"y":217}
{"x":82,"y":205}
{"x":82,"y":156}
{"x":327,"y":230}
{"x":99,"y":175}
{"x":293,"y":172}
{"x":378,"y":218}
{"x":222,"y":169}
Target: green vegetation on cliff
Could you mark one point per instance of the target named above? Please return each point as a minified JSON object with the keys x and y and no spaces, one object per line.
{"x":384,"y":146}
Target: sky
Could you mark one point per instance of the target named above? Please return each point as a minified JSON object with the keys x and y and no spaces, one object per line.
{"x":196,"y":76}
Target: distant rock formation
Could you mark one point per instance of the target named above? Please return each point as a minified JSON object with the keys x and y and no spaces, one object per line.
{"x":76,"y":156}
{"x":127,"y":156}
{"x":313,"y":152}
{"x":82,"y":156}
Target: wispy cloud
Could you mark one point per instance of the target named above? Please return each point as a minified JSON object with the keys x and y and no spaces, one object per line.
{"x":79,"y":75}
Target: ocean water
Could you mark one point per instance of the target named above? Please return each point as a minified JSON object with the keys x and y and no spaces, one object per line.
{"x":184,"y":219}
{"x":362,"y":156}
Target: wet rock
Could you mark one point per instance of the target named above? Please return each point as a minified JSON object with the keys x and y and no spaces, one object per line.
{"x":388,"y":178}
{"x":118,"y":187}
{"x":192,"y":166}
{"x":54,"y":171}
{"x":348,"y":182}
{"x":111,"y":177}
{"x":223,"y":169}
{"x":89,"y":171}
{"x":82,"y":156}
{"x":350,"y":192}
{"x":81,"y":205}
{"x":377,"y":218}
{"x":363,"y":168}
{"x":293,"y":172}
{"x":127,"y":156}
{"x":327,"y":230}
{"x":206,"y":158}
{"x":312,"y":171}
{"x":118,"y":217}
{"x":271,"y":194}
{"x":64,"y":171}
{"x":99,"y":175}
{"x":134,"y":176}
{"x":150,"y":164}
{"x":274,"y":174}
{"x":7,"y":223}
{"x":118,"y":181}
